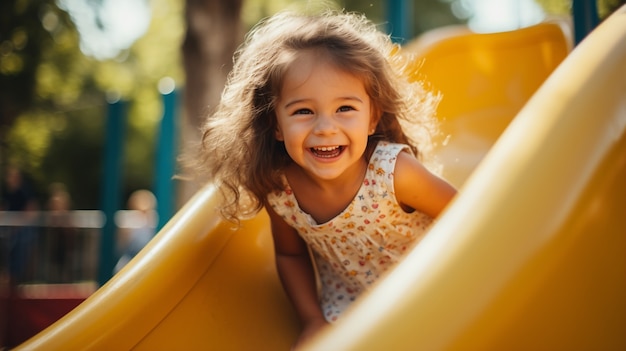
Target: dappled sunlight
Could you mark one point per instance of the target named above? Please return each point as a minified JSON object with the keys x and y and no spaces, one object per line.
{"x":109,"y":26}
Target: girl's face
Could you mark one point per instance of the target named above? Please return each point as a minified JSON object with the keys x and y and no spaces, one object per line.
{"x":324,"y":117}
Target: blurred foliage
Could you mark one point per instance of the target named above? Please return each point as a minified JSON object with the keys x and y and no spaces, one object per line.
{"x":57,"y":97}
{"x":24,"y":33}
{"x":52,"y":80}
{"x":427,"y":14}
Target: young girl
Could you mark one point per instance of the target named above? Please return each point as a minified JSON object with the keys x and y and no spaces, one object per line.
{"x":309,"y":128}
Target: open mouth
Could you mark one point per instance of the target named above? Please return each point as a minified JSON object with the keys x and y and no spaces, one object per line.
{"x":327,"y":151}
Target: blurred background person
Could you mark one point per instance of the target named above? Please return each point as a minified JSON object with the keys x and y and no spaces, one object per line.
{"x":60,"y":234}
{"x":137,"y":226}
{"x":18,"y":197}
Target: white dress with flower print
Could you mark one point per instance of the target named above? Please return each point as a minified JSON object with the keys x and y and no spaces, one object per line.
{"x":354,"y":249}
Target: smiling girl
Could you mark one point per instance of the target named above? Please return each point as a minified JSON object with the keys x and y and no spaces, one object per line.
{"x":310,"y":127}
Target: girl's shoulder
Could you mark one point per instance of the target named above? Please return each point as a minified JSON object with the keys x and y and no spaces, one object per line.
{"x":386,"y":154}
{"x":381,"y":168}
{"x":390,"y":147}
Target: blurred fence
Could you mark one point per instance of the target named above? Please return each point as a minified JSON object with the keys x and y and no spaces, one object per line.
{"x":50,"y":247}
{"x":61,"y":247}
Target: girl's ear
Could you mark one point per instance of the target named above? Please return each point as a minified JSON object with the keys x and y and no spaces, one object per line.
{"x":375,"y":117}
{"x":373,"y":123}
{"x":278,"y":134}
{"x":372,"y":130}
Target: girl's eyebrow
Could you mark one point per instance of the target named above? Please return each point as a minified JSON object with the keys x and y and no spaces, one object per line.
{"x":296,"y":101}
{"x":343,"y":98}
{"x":351,"y":98}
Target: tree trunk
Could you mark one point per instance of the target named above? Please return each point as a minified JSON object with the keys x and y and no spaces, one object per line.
{"x":213,"y":34}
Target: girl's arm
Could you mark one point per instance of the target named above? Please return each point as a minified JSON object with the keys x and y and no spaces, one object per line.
{"x":417,"y":188}
{"x":297,"y":276}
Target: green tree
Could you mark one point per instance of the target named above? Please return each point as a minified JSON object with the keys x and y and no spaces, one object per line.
{"x":42,"y":74}
{"x":21,"y":39}
{"x":56,"y":134}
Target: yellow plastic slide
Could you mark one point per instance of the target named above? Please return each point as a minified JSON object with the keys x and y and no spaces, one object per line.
{"x":531,"y":255}
{"x":485,"y":80}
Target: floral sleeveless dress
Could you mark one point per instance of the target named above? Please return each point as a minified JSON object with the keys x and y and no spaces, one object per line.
{"x":355,"y":248}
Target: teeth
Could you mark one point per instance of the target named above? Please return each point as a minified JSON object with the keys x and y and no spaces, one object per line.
{"x":326,"y":148}
{"x":327,"y":151}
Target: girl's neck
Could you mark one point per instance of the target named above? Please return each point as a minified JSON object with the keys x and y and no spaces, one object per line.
{"x":325,"y":199}
{"x":354,"y":175}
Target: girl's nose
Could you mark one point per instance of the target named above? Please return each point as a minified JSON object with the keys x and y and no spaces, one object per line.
{"x":325,"y":124}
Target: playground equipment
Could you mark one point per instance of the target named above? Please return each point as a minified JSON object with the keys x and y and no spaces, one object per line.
{"x":485,"y":79}
{"x":530,"y":255}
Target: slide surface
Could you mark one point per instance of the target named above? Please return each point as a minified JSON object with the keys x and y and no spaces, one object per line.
{"x":485,"y":80}
{"x":530,"y":256}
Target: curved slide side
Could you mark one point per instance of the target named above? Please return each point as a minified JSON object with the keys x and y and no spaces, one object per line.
{"x":198,"y":285}
{"x":532,"y":253}
{"x":484,"y":79}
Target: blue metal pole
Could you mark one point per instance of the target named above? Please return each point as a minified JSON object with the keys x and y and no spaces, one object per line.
{"x":112,"y":182}
{"x":166,"y":160}
{"x":400,"y":20}
{"x":585,"y":16}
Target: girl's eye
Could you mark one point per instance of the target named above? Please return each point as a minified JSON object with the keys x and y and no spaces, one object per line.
{"x":303,"y":111}
{"x":345,"y":108}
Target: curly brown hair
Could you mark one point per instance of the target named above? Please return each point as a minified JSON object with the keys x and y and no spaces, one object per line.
{"x":239,"y":152}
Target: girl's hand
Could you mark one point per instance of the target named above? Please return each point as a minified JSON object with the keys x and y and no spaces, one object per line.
{"x":311,"y":329}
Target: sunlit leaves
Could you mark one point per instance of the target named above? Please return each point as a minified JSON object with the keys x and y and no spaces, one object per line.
{"x":68,"y":108}
{"x":31,"y":135}
{"x":11,"y":62}
{"x":254,"y":10}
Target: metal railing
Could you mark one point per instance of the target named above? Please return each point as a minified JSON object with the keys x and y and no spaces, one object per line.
{"x":50,"y":247}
